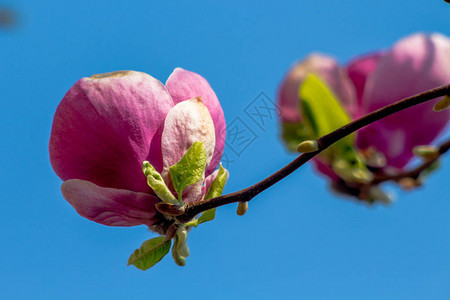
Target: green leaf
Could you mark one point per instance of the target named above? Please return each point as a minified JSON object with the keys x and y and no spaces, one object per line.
{"x":324,"y":113}
{"x":215,"y":190}
{"x":189,"y":169}
{"x":150,"y":252}
{"x":322,"y":110}
{"x":206,"y":216}
{"x":156,"y":182}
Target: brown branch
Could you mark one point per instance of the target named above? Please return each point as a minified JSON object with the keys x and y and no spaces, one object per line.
{"x":414,"y":173}
{"x":326,"y":141}
{"x":408,"y":179}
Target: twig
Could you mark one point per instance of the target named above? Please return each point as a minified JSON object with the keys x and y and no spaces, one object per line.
{"x":414,"y":173}
{"x":324,"y":142}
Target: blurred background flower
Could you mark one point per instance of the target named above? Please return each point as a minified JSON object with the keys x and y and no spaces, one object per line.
{"x":414,"y":64}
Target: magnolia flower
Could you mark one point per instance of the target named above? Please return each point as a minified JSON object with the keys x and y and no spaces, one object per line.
{"x":414,"y":64}
{"x":107,"y":125}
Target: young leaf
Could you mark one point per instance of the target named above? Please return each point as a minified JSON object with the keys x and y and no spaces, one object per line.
{"x":215,"y":190}
{"x":206,"y":216}
{"x":156,"y":182}
{"x":321,"y":109}
{"x":189,"y":169}
{"x":150,"y":252}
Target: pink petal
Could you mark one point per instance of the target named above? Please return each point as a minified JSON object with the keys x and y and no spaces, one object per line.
{"x":359,"y":69}
{"x":187,"y":122}
{"x":106,"y":126}
{"x":210,"y":179}
{"x":328,"y":69}
{"x":183,"y":85}
{"x":205,"y":187}
{"x":197,"y":192}
{"x":109,"y":206}
{"x":415,"y":64}
{"x":194,"y":192}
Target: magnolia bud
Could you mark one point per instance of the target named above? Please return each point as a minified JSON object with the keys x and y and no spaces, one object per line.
{"x":308,"y":146}
{"x":242,"y":208}
{"x":408,"y":183}
{"x":442,"y":104}
{"x":169,"y":209}
{"x":426,"y":152}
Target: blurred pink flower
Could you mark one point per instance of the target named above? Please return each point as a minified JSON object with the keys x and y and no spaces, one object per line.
{"x":329,"y":70}
{"x":413,"y":65}
{"x":108,"y":124}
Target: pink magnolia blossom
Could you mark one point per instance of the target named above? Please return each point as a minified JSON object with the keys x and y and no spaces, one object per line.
{"x":108,"y":124}
{"x":414,"y":64}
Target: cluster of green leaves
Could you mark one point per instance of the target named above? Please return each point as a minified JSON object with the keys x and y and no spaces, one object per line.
{"x":187,"y":171}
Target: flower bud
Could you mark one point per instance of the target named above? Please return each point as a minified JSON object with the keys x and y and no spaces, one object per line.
{"x":170,"y":209}
{"x":242,"y":208}
{"x":426,"y":152}
{"x":408,"y":183}
{"x":308,"y":146}
{"x":442,"y":104}
{"x":107,"y":125}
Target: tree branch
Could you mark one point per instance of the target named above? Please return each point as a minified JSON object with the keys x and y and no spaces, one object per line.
{"x":191,"y":210}
{"x":414,"y":173}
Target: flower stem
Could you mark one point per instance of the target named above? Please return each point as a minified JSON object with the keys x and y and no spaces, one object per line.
{"x":324,"y":142}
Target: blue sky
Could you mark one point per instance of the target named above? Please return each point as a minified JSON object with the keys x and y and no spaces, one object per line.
{"x":297,"y":239}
